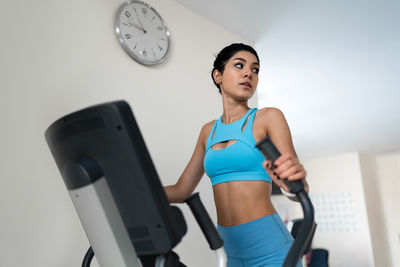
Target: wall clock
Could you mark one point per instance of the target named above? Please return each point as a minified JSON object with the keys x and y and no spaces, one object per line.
{"x":142,"y":32}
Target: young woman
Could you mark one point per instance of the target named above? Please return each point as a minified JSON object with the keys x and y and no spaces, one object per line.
{"x":253,"y":233}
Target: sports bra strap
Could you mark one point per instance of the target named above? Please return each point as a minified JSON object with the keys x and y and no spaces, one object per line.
{"x":248,"y":130}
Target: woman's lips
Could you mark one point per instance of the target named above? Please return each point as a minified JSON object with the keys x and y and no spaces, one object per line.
{"x":245,"y":84}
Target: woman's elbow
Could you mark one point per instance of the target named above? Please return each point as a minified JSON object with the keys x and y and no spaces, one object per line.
{"x":176,"y":194}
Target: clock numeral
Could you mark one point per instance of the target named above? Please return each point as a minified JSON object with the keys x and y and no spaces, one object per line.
{"x":144,"y":11}
{"x":160,"y":47}
{"x":160,"y":28}
{"x":162,"y":39}
{"x":135,"y":46}
{"x":128,"y":36}
{"x":134,"y":9}
{"x":128,"y":14}
{"x":144,"y":53}
{"x":152,"y":19}
{"x":154,"y":54}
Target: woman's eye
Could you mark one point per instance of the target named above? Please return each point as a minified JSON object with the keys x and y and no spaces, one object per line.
{"x":256,"y":70}
{"x":239,"y":65}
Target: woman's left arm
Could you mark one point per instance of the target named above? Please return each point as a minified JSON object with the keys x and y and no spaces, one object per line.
{"x":287,"y":165}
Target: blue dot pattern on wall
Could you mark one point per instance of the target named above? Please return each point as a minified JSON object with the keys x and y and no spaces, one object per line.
{"x":335,"y":212}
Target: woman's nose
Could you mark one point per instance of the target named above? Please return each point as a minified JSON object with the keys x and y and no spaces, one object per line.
{"x":247,"y":72}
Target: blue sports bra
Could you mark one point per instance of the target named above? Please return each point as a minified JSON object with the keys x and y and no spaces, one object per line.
{"x":238,"y":162}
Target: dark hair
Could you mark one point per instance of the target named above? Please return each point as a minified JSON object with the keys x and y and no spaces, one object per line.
{"x":226,"y":53}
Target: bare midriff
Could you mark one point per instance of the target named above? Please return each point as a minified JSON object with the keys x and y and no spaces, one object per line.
{"x":238,"y":202}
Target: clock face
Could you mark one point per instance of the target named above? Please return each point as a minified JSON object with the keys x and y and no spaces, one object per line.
{"x":142,"y":32}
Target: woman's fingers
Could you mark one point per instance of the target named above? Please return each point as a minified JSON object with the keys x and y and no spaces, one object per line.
{"x":284,"y":157}
{"x":298,"y":175}
{"x":271,"y":172}
{"x":268,"y":167}
{"x":284,"y":167}
{"x":293,"y":172}
{"x":289,"y":167}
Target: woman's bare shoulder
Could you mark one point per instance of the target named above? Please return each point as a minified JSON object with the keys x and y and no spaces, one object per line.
{"x":269,"y":112}
{"x":206,"y":129}
{"x":269,"y":115}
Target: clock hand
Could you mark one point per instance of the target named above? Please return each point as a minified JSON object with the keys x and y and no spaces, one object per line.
{"x":137,"y":26}
{"x":141,"y":23}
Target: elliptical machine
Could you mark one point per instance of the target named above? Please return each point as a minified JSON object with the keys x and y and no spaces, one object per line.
{"x":118,"y":196}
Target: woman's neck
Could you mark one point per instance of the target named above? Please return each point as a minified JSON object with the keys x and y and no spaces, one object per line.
{"x":232,"y":113}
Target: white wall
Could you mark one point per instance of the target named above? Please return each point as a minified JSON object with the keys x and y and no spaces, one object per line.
{"x":388,"y":170}
{"x":355,"y":196}
{"x":372,"y":182}
{"x":336,"y":189}
{"x":346,"y":189}
{"x":60,"y":56}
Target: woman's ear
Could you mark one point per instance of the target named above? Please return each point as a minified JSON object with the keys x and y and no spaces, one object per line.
{"x":217,"y":77}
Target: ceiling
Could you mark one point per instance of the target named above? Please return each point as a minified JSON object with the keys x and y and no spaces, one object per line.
{"x":331,"y":67}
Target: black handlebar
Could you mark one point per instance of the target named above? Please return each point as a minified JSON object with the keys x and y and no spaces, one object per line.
{"x":204,"y":221}
{"x":297,"y":187}
{"x":272,"y":153}
{"x":88,"y":258}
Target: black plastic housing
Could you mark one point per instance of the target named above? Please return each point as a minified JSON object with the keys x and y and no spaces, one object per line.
{"x":105,"y":141}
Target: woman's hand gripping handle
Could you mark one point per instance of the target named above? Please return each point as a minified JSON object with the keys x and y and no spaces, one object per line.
{"x":271,"y":153}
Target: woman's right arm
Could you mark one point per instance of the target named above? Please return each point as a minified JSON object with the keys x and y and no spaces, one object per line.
{"x":192,"y":174}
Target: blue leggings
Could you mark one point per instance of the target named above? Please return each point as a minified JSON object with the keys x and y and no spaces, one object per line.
{"x":263,"y":242}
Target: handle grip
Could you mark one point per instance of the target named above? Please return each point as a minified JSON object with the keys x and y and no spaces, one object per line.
{"x":204,"y":221}
{"x":270,"y":151}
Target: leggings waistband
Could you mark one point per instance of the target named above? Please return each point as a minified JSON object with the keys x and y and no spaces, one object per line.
{"x":255,"y":238}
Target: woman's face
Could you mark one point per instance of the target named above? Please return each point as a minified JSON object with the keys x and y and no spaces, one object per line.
{"x":240,"y":77}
